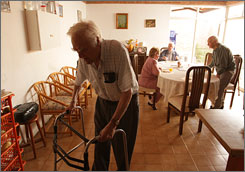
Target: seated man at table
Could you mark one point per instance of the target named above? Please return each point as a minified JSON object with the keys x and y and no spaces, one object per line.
{"x":224,"y":65}
{"x":149,"y":75}
{"x":170,"y":54}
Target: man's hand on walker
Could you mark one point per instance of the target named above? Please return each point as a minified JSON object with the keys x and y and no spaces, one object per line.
{"x":107,"y":133}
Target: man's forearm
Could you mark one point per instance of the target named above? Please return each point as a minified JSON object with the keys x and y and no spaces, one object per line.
{"x":75,"y":92}
{"x":211,"y":64}
{"x":122,"y":105}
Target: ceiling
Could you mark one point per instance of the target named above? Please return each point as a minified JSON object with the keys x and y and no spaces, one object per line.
{"x":201,"y":10}
{"x":209,"y":3}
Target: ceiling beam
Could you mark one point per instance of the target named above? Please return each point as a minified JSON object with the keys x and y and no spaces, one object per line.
{"x":215,"y":3}
{"x":230,"y":3}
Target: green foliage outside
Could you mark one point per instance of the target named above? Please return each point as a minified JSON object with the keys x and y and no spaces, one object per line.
{"x":200,"y":53}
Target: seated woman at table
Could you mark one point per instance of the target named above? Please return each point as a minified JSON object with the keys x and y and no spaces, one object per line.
{"x":149,"y":75}
{"x":169,"y":54}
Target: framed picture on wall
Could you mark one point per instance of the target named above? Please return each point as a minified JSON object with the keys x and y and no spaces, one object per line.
{"x":122,"y":20}
{"x":150,"y":23}
{"x":51,"y":7}
{"x":79,"y":15}
{"x":5,"y":6}
{"x":60,"y":10}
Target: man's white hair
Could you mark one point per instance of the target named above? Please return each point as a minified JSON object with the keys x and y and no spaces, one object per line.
{"x":213,"y":39}
{"x":171,"y":44}
{"x":86,"y":29}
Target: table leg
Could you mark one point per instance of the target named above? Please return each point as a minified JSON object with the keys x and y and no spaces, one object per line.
{"x":235,"y":163}
{"x":200,"y":126}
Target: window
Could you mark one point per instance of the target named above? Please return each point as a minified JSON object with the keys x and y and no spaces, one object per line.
{"x":184,"y":29}
{"x":210,"y":21}
{"x":208,"y":26}
{"x":234,"y":36}
{"x":183,"y":23}
{"x":236,"y":11}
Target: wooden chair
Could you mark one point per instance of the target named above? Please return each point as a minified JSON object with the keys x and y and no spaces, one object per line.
{"x":142,"y":90}
{"x":64,"y":80}
{"x":231,"y":88}
{"x":208,"y":60}
{"x":149,"y":92}
{"x":50,"y":103}
{"x":163,"y":48}
{"x":69,"y":70}
{"x":72,"y":72}
{"x":134,"y":63}
{"x":197,"y":81}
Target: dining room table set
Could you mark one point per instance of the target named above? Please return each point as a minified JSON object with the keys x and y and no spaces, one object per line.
{"x":171,"y":80}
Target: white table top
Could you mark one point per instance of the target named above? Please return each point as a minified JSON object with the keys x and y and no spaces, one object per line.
{"x":173,"y":83}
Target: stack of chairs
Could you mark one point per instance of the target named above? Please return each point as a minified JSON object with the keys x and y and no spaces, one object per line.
{"x":55,"y":95}
{"x":51,"y":103}
{"x":72,"y":72}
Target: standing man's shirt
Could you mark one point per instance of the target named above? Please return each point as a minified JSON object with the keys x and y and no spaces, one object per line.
{"x":222,"y":60}
{"x":114,"y":74}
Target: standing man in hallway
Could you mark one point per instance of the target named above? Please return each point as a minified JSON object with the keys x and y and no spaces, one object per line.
{"x":224,"y":65}
{"x":106,"y":64}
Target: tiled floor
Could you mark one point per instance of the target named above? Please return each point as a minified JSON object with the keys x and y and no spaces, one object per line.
{"x":158,"y":146}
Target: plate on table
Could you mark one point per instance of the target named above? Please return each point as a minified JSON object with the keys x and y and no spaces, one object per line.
{"x":163,"y":68}
{"x":182,"y":69}
{"x":166,"y":71}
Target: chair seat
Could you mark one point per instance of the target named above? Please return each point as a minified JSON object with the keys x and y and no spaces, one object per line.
{"x":71,"y":83}
{"x":177,"y":102}
{"x":191,"y":98}
{"x":51,"y":105}
{"x":143,"y":89}
{"x":63,"y":93}
{"x":230,"y":86}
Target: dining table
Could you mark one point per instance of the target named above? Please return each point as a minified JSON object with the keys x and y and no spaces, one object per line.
{"x":227,"y":126}
{"x":171,"y":80}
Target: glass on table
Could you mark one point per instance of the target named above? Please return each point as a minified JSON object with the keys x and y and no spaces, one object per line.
{"x":178,"y":64}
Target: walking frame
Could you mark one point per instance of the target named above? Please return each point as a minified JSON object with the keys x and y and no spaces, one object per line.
{"x":63,"y":155}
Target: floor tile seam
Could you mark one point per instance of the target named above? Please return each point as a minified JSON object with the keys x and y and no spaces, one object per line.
{"x":193,"y":160}
{"x":215,"y":164}
{"x":206,"y":156}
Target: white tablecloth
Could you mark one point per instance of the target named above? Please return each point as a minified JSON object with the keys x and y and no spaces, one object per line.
{"x":173,"y":83}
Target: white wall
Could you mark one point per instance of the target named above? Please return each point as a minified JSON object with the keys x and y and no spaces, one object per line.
{"x":20,"y":68}
{"x":104,"y":15}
